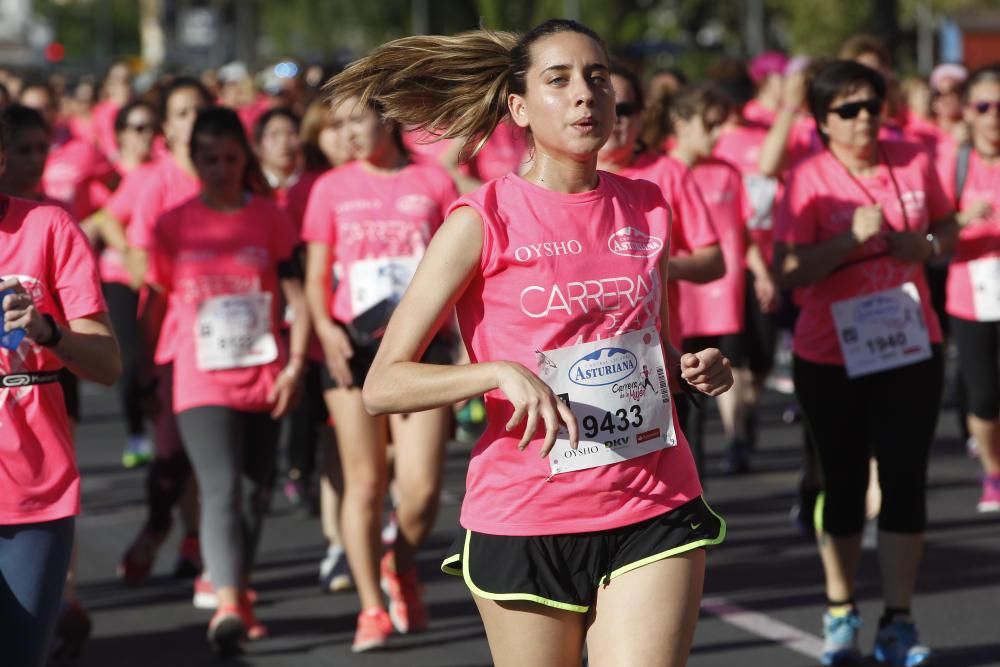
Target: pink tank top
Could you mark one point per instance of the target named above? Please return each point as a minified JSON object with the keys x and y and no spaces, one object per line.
{"x":557,"y":270}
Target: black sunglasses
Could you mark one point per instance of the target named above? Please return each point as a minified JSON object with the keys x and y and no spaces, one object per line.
{"x":626,"y":109}
{"x":852,"y":109}
{"x":984,"y":107}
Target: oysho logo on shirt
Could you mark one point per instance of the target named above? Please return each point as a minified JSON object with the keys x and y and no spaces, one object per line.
{"x":604,"y":366}
{"x":416,"y":204}
{"x":631,"y":242}
{"x":548,"y":249}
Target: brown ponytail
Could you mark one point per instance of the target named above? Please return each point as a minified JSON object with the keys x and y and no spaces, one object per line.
{"x":453,"y":86}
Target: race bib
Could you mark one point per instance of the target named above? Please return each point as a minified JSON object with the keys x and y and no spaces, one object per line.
{"x":234,"y":331}
{"x":376,"y":280}
{"x":881,"y":331}
{"x":761,"y":192}
{"x":617,"y":388}
{"x":984,"y":275}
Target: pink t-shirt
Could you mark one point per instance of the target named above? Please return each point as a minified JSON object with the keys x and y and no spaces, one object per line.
{"x":979,"y":239}
{"x":167,"y":186}
{"x":549,"y":278}
{"x":716,"y":308}
{"x":362,"y":215}
{"x":42,"y":247}
{"x":120,"y":207}
{"x":198,"y":254}
{"x":741,"y":145}
{"x":755,"y":112}
{"x":692,"y":226}
{"x":425,"y":148}
{"x":77,"y":174}
{"x":504,"y":152}
{"x":103,"y":123}
{"x":819,"y":204}
{"x":296,"y":198}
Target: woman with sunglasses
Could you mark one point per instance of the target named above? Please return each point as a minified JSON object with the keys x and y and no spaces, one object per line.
{"x":853,"y":231}
{"x":973,"y":298}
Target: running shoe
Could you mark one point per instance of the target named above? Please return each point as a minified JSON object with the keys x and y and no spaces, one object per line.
{"x":374,"y":630}
{"x":189,"y":558}
{"x":255,"y":629}
{"x":205,"y":596}
{"x":295,"y":491}
{"x":971,"y":448}
{"x":390,"y":530}
{"x":896,"y":644}
{"x":840,"y":639}
{"x":72,"y":632}
{"x":139,"y":558}
{"x":334,"y":572}
{"x":990,"y":500}
{"x":138,"y":451}
{"x":406,"y":606}
{"x":227,"y":630}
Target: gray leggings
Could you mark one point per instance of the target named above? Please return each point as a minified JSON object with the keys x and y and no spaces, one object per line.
{"x":225,"y":445}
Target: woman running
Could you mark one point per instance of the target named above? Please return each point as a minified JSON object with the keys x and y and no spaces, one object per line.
{"x":220,"y":260}
{"x":54,"y":317}
{"x":593,"y":534}
{"x":853,"y":232}
{"x":368,"y":224}
{"x":973,"y":298}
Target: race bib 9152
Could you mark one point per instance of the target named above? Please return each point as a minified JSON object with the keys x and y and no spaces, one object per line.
{"x":617,"y":389}
{"x":984,"y":274}
{"x":234,"y":331}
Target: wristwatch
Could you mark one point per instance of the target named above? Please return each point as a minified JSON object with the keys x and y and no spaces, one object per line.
{"x":935,"y":245}
{"x":55,"y":336}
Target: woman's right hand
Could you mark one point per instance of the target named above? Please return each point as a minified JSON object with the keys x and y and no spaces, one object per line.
{"x":867,"y":223}
{"x":977,"y":210}
{"x":534,"y":400}
{"x":337,"y":350}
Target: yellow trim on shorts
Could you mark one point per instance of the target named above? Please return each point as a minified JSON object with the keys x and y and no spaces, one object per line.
{"x":509,"y":597}
{"x":676,"y":551}
{"x":818,"y":511}
{"x":448,"y":565}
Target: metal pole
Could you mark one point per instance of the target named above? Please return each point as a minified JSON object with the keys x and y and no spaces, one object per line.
{"x":571,"y":9}
{"x":925,"y":38}
{"x":755,"y":27}
{"x":420,"y":20}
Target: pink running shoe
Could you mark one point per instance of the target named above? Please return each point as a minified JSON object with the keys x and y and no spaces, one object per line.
{"x":990,"y":500}
{"x":205,"y":596}
{"x":374,"y":630}
{"x":406,"y":605}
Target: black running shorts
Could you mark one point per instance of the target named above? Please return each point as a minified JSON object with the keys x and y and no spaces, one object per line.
{"x":565,"y":571}
{"x":440,"y":351}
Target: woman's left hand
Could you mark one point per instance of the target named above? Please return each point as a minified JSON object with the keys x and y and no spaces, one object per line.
{"x":909,"y":246}
{"x":708,"y":371}
{"x":285,"y":392}
{"x":19,"y":312}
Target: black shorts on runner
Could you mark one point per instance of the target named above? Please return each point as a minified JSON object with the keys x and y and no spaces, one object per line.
{"x":565,"y":571}
{"x":440,"y":351}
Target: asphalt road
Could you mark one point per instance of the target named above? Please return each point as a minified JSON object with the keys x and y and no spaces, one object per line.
{"x":763,"y":590}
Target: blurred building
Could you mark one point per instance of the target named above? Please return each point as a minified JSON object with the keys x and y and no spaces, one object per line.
{"x":976,"y":37}
{"x":22,"y":35}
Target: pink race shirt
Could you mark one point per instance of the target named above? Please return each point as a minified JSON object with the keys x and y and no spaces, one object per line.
{"x":504,"y":152}
{"x":819,"y":204}
{"x":980,"y":239}
{"x":120,"y":207}
{"x":43,"y":248}
{"x":166,"y":187}
{"x":363,"y":215}
{"x":692,"y":227}
{"x":740,"y":145}
{"x":77,"y":174}
{"x":716,"y":308}
{"x":199,"y":254}
{"x":550,"y":277}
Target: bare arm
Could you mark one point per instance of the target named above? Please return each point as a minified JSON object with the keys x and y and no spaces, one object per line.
{"x":703,"y":265}
{"x":772,"y":153}
{"x":318,"y":290}
{"x":764,"y":287}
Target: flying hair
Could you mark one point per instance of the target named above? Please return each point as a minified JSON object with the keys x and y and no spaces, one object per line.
{"x":450,"y":86}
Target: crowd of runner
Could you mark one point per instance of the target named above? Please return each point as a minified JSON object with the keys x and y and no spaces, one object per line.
{"x":298,"y":286}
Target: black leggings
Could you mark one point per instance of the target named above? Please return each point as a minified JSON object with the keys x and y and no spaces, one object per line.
{"x":892,"y":415}
{"x":123,"y":304}
{"x":979,"y":365}
{"x":304,"y":424}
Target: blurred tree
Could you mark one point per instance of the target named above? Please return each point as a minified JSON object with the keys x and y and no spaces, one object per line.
{"x":93,"y":31}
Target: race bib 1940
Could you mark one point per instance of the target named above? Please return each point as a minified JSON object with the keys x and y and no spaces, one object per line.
{"x":881,"y":331}
{"x":382,"y":279}
{"x":234,"y":331}
{"x":617,"y":389}
{"x":984,"y":274}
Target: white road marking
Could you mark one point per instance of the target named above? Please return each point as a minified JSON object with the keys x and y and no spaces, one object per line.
{"x":764,"y":626}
